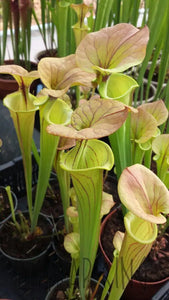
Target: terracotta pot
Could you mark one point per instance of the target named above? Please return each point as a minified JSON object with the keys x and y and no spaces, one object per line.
{"x":142,"y":290}
{"x":135,"y":289}
{"x":9,"y":85}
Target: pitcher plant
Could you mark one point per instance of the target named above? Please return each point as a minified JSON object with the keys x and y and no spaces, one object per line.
{"x":147,"y":200}
{"x":94,"y":118}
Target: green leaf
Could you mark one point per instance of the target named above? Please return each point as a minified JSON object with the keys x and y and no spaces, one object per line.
{"x":88,"y":155}
{"x":136,"y":244}
{"x":23,"y":113}
{"x":19,"y":102}
{"x":160,"y":146}
{"x":5,"y":6}
{"x":102,"y":13}
{"x":52,"y":112}
{"x":60,"y":18}
{"x":86,"y":162}
{"x":72,"y":244}
{"x":142,"y":231}
{"x":72,"y":213}
{"x":119,"y":87}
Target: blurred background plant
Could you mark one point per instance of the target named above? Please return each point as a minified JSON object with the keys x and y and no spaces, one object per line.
{"x":17,"y":17}
{"x":55,"y":26}
{"x":4,"y":13}
{"x":59,"y":17}
{"x":45,"y":25}
{"x":156,"y":62}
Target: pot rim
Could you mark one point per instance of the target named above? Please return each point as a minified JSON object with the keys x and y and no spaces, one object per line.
{"x":52,"y":288}
{"x":12,"y":258}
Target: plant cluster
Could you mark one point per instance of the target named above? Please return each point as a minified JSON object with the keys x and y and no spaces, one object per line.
{"x":17,"y":19}
{"x":59,"y":21}
{"x":70,"y":144}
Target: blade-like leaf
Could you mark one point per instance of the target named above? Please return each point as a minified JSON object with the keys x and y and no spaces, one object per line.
{"x":23,"y":118}
{"x":51,"y":112}
{"x":160,"y":146}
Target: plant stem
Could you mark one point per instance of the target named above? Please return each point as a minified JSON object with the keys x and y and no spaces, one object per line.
{"x":110,"y":275}
{"x":8,"y":190}
{"x":73,"y":271}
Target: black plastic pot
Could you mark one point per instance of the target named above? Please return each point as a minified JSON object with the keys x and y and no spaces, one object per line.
{"x":63,"y":285}
{"x":15,"y":200}
{"x":58,"y":241}
{"x":29,"y":263}
{"x":151,"y":95}
{"x":46,"y":53}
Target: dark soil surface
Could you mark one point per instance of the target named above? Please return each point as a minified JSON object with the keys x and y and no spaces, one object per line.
{"x":47,"y":53}
{"x":31,"y":246}
{"x":110,"y":187}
